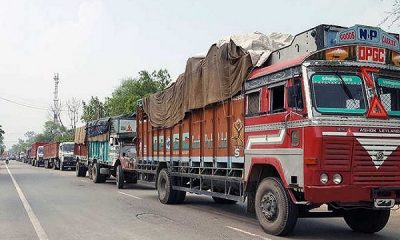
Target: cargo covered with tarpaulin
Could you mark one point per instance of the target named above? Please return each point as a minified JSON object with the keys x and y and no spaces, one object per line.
{"x":212,"y":78}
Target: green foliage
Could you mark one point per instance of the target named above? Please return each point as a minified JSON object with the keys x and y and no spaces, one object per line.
{"x":124,"y":97}
{"x":2,"y":147}
{"x":22,"y":145}
{"x":93,"y":110}
{"x":67,"y":136}
{"x":51,"y":132}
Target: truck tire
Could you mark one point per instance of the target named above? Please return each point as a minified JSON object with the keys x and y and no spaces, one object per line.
{"x":80,"y":170}
{"x":367,"y":220}
{"x":130,"y":177}
{"x":55,"y":163}
{"x":223,"y":200}
{"x":166,"y":194}
{"x":180,"y":198}
{"x":96,"y":175}
{"x":119,"y":175}
{"x":275,"y":211}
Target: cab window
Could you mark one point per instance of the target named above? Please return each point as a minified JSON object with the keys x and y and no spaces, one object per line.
{"x":253,"y":103}
{"x":277,"y":99}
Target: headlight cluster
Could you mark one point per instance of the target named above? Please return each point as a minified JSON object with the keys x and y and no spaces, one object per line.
{"x":336,"y":179}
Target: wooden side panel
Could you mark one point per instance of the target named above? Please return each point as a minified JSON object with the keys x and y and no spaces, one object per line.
{"x":207,"y":138}
{"x":196,"y":138}
{"x":237,"y":131}
{"x":208,"y":130}
{"x":221,"y":123}
{"x":185,"y":140}
{"x":176,"y":142}
{"x":167,"y":137}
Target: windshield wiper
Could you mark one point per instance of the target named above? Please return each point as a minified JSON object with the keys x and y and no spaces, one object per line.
{"x":344,"y":86}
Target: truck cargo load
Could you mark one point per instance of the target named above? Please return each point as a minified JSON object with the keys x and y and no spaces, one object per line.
{"x":316,"y":123}
{"x":105,"y":147}
{"x":37,"y":157}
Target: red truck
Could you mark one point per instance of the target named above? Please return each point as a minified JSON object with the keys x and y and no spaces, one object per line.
{"x":318,"y":123}
{"x":36,"y":154}
{"x":59,"y":155}
{"x":81,"y":152}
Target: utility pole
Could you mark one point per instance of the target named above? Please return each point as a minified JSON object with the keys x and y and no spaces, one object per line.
{"x":56,"y":105}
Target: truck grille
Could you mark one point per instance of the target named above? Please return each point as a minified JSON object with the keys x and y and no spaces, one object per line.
{"x":337,"y":153}
{"x":376,"y":178}
{"x":376,"y":154}
{"x":376,"y":162}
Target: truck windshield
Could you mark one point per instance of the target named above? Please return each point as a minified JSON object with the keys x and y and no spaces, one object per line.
{"x":68,"y":148}
{"x":389,"y":93}
{"x":40,"y":150}
{"x":338,"y":93}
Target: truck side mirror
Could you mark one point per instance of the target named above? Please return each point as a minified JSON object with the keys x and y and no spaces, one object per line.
{"x":295,"y":99}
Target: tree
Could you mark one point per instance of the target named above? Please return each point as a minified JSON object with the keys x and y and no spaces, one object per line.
{"x":392,"y":16}
{"x":22,"y":145}
{"x":124,"y":97}
{"x":67,"y":136}
{"x":2,"y":147}
{"x":93,"y":110}
{"x":51,"y":131}
{"x":73,"y":107}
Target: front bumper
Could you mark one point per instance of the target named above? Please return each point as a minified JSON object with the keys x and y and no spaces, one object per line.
{"x":69,"y":162}
{"x":350,"y":193}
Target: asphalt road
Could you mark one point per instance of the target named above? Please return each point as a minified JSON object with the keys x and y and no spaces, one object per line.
{"x":49,"y":204}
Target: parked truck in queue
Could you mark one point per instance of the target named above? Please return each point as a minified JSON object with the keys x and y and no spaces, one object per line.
{"x":36,"y":154}
{"x":59,"y":155}
{"x":110,"y":150}
{"x":318,"y":123}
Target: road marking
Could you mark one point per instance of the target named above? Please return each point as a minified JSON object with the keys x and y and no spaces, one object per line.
{"x":34,"y":220}
{"x":129,"y":195}
{"x":248,"y":233}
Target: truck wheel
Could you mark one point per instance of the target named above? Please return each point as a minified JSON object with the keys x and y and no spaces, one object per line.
{"x":223,"y":200}
{"x":120,"y":177}
{"x":275,"y":211}
{"x":166,"y":194}
{"x":79,"y":170}
{"x":367,"y":220}
{"x":96,"y":175}
{"x":180,"y":197}
{"x":130,"y":178}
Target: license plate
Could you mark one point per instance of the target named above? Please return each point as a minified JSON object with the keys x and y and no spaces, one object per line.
{"x":384,"y":203}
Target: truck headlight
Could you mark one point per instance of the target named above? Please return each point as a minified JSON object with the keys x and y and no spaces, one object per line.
{"x":337,"y":179}
{"x":324,"y":178}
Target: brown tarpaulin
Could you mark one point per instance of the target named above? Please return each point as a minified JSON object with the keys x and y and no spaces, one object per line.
{"x":80,"y":134}
{"x":217,"y":77}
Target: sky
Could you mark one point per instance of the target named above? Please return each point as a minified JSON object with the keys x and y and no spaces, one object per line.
{"x":94,"y":44}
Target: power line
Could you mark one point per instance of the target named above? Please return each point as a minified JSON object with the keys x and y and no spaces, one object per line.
{"x":24,"y":105}
{"x":28,"y":106}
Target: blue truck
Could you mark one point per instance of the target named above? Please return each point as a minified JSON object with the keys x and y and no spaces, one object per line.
{"x":110,"y":150}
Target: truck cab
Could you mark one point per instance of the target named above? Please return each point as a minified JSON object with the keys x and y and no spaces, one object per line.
{"x":111,"y":150}
{"x":325,"y":115}
{"x":66,"y":155}
{"x":39,"y":156}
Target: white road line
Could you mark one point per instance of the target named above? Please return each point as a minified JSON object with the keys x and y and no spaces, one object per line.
{"x":248,"y":233}
{"x":129,"y":195}
{"x":34,"y":220}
